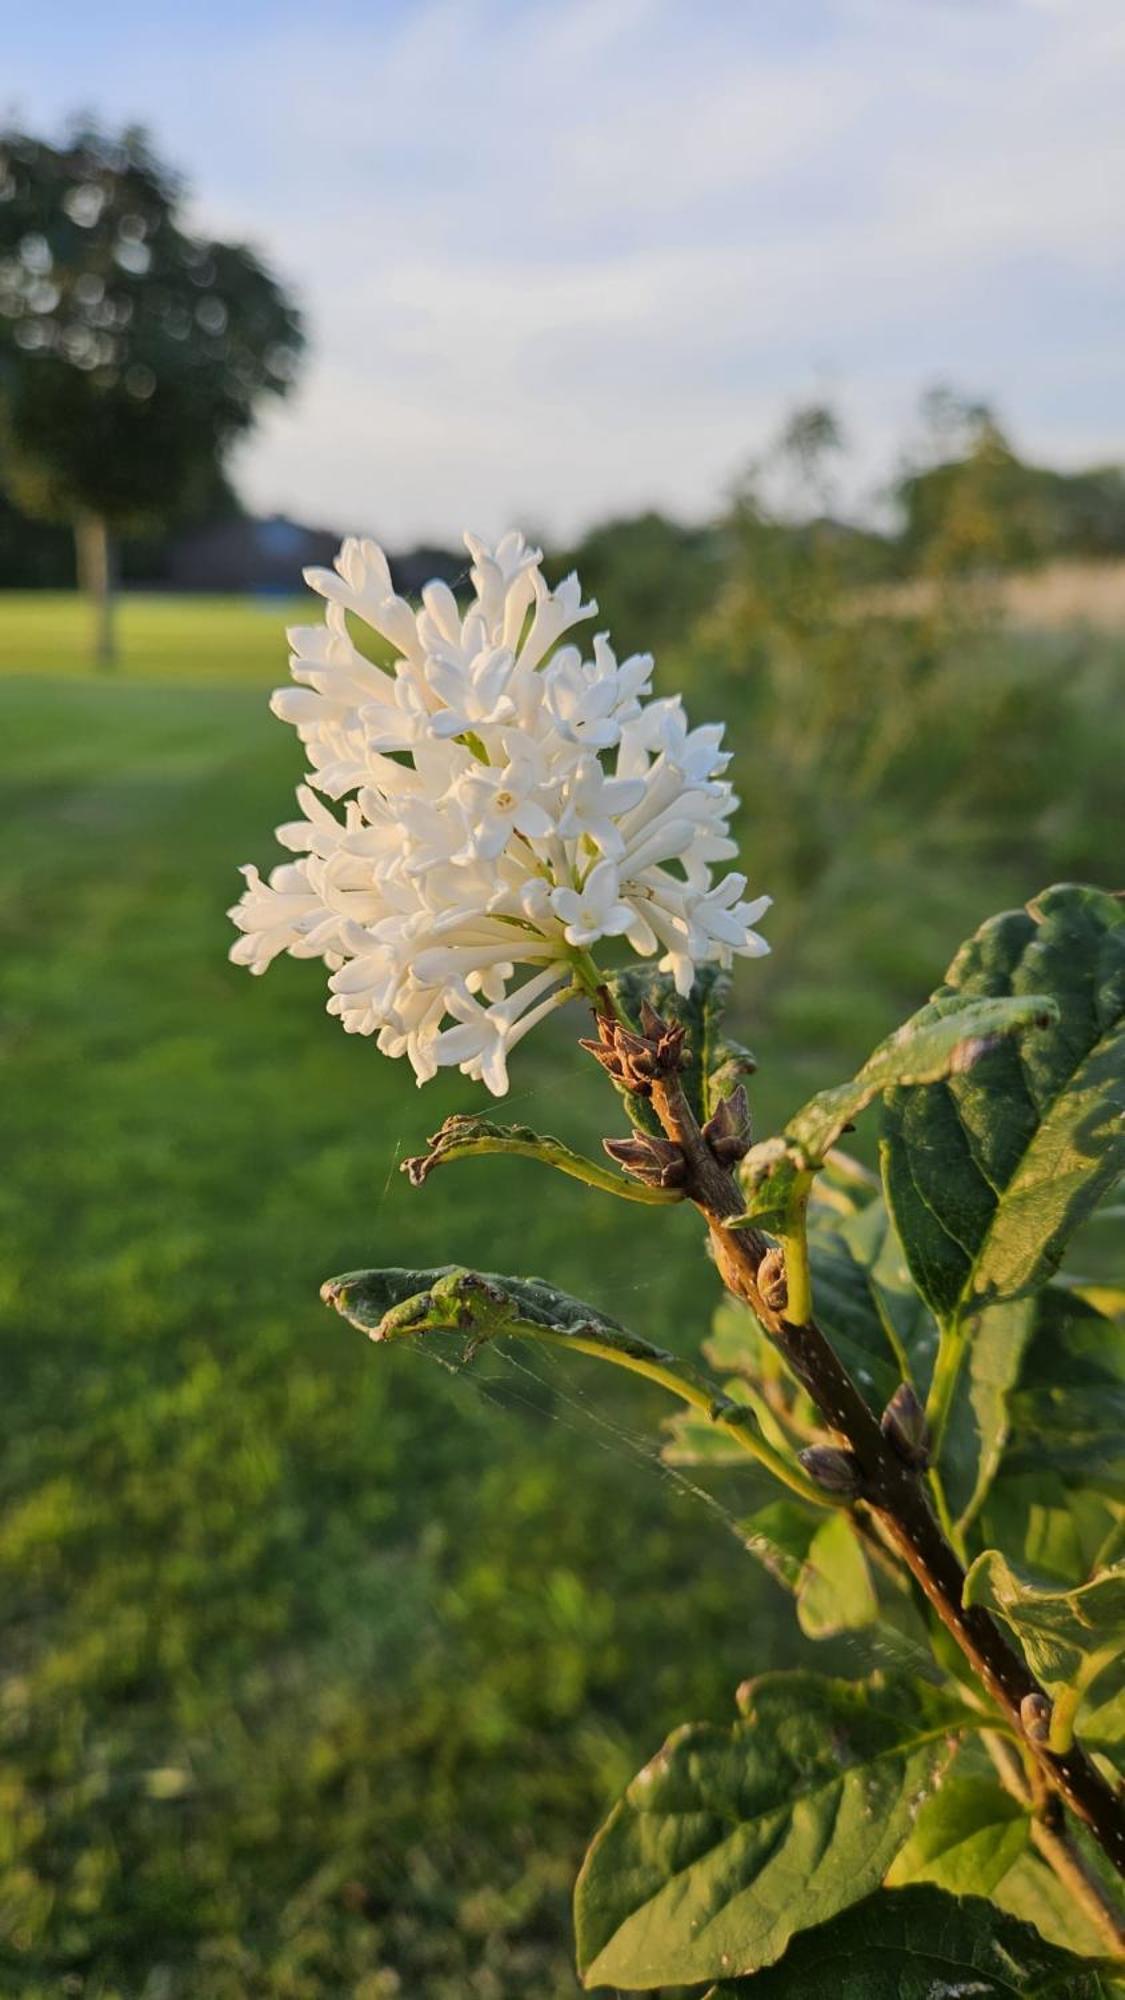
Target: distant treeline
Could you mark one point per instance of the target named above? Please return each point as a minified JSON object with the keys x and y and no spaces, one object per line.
{"x":968,"y":505}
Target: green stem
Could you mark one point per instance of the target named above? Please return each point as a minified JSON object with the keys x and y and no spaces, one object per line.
{"x":575,"y":1164}
{"x":798,"y":1275}
{"x":589,"y":980}
{"x":742,"y":1428}
{"x":952,"y":1349}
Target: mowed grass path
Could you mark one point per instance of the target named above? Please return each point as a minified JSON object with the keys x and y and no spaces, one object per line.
{"x":319,"y":1666}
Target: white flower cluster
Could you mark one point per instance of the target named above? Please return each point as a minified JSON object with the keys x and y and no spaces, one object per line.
{"x":509,"y":803}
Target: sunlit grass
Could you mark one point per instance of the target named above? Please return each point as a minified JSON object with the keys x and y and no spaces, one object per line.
{"x":318,"y":1665}
{"x":192,"y":639}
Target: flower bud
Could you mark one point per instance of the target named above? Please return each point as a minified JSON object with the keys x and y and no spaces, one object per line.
{"x":1035,"y":1715}
{"x":904,"y":1426}
{"x":637,"y":1060}
{"x":834,"y":1470}
{"x":727,"y":1131}
{"x":772,"y":1282}
{"x":657,"y":1162}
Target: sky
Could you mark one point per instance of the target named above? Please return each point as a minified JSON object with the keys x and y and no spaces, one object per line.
{"x":566,"y":260}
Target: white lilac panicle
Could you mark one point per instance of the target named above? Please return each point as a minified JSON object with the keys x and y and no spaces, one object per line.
{"x":508,"y":799}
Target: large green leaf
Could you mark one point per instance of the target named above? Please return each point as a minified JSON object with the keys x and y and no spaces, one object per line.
{"x":1044,"y":1382}
{"x":1047,"y":1526}
{"x":918,"y":1944}
{"x":872,"y":1239}
{"x":924,"y":1050}
{"x":989,"y":1172}
{"x":1068,"y":1635}
{"x":777,"y":1173}
{"x":1032,"y":1891}
{"x":730,"y":1841}
{"x":1069,"y":1406}
{"x":714,"y":1061}
{"x":966,"y":1837}
{"x":976,"y":1431}
{"x":852,"y":1309}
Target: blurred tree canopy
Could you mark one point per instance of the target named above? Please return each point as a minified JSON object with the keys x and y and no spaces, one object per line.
{"x":976,"y":507}
{"x":132,"y":354}
{"x":652,"y":577}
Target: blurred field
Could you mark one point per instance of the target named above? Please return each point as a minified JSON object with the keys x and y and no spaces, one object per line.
{"x":1062,"y":596}
{"x":321,"y":1664}
{"x":161,"y":638}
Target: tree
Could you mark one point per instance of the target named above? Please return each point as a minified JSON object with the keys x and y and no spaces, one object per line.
{"x":132,"y":354}
{"x":974,"y":507}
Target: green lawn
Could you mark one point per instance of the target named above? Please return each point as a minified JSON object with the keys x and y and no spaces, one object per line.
{"x":322,"y":1663}
{"x":201,"y":639}
{"x":318,"y":1665}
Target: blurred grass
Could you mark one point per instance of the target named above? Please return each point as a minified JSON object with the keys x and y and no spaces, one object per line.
{"x":202,"y":639}
{"x":316,"y":1664}
{"x":320,"y":1667}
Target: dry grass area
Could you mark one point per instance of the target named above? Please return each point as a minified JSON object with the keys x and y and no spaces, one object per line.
{"x":1066,"y":594}
{"x":1062,"y":596}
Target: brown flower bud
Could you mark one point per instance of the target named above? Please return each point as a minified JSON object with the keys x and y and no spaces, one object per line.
{"x":904,"y":1426}
{"x":657,"y":1162}
{"x":633,"y":1060}
{"x":834,"y":1470}
{"x":727,"y":1131}
{"x":772,"y":1282}
{"x":1035,"y":1715}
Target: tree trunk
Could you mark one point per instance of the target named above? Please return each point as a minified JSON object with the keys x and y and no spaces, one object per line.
{"x":95,"y":577}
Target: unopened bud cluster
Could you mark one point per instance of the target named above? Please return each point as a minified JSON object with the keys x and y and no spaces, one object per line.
{"x":635,"y":1061}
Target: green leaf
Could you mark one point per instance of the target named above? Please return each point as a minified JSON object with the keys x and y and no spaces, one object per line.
{"x":851,"y":1312}
{"x":775,"y":1180}
{"x":777,"y":1173}
{"x":918,"y":1944}
{"x":393,"y":1303}
{"x":1046,"y":1526}
{"x":988,"y":1173}
{"x":924,"y":1050}
{"x":1103,"y":1725}
{"x":835,"y":1593}
{"x":965,"y":1839}
{"x":781,"y":1535}
{"x":480,"y":1305}
{"x":464,"y":1137}
{"x":821,"y":1560}
{"x":1067,"y":1635}
{"x":730,"y":1841}
{"x":1069,"y":1407}
{"x":738,"y":1345}
{"x":873,"y":1241}
{"x":715,"y":1062}
{"x":1032,"y":1891}
{"x":973,"y":1438}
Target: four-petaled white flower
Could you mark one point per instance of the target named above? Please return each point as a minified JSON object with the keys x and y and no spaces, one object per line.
{"x":509,"y":804}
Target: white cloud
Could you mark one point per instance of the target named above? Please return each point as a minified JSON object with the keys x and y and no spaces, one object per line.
{"x":577,"y":256}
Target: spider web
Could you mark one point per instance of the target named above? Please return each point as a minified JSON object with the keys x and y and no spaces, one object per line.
{"x":516,"y":1381}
